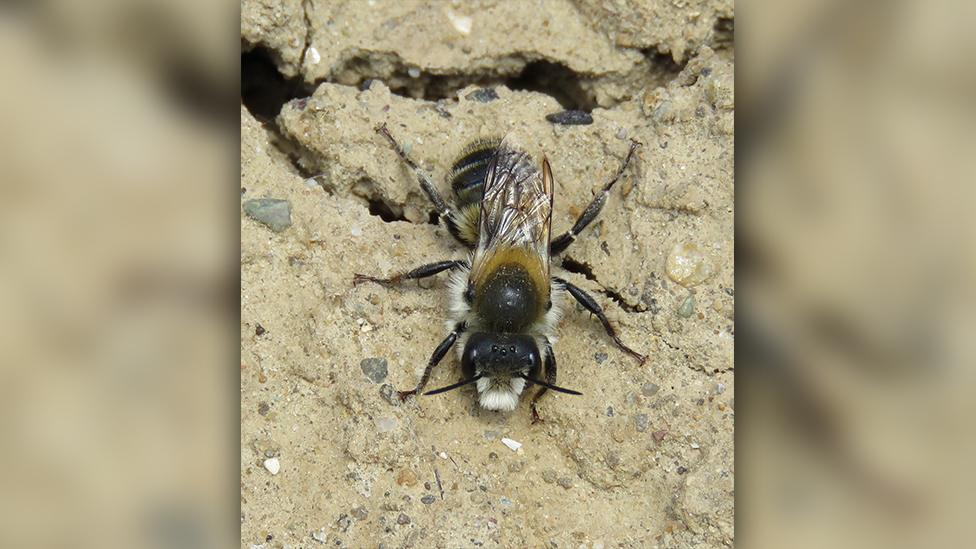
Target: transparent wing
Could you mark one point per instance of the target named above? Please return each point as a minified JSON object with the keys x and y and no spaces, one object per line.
{"x":516,"y":210}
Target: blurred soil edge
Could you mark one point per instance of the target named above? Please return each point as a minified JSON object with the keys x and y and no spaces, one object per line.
{"x":329,"y":455}
{"x":118,"y":275}
{"x":855,"y":273}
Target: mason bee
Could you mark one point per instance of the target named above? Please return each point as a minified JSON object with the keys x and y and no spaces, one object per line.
{"x":505,"y":303}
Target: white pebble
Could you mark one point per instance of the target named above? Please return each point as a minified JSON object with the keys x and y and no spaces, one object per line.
{"x":414,"y":72}
{"x":512,"y":445}
{"x":687,"y":265}
{"x":313,"y":55}
{"x":272,"y":465}
{"x":319,"y":535}
{"x":695,"y":445}
{"x":386,"y":424}
{"x":443,"y":455}
{"x":311,"y":183}
{"x":462,"y":23}
{"x":356,"y":231}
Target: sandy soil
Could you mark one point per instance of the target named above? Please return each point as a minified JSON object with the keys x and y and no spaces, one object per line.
{"x":645,"y":457}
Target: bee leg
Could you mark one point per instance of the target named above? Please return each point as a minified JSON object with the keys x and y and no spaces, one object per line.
{"x":426,"y":184}
{"x":550,"y":365}
{"x":435,"y":358}
{"x":423,"y":271}
{"x":561,"y":242}
{"x":588,"y":303}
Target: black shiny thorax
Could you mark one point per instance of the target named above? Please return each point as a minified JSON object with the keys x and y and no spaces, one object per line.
{"x":508,"y":300}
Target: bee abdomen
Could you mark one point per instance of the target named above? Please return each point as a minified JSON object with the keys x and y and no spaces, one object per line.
{"x":467,"y":177}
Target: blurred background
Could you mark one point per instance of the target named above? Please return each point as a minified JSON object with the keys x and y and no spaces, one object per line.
{"x":855,"y":271}
{"x":119,"y":249}
{"x":118,"y":285}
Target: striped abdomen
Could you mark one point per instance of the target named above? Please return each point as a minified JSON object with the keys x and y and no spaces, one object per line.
{"x":467,"y":179}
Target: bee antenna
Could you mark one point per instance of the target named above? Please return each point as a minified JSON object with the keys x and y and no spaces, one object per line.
{"x":461,"y":383}
{"x":550,"y":386}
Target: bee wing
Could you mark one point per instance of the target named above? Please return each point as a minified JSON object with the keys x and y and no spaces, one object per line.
{"x":516,"y":210}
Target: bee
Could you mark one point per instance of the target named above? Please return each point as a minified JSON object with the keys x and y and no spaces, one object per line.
{"x":504,"y":302}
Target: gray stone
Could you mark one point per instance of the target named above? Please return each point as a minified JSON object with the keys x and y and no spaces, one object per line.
{"x":641,"y":422}
{"x":403,"y":519}
{"x":360,"y":513}
{"x":374,"y":368}
{"x":649,"y":389}
{"x":272,"y":212}
{"x":483,"y":95}
{"x":570,"y":118}
{"x":390,"y":394}
{"x":687,"y":307}
{"x":427,"y":500}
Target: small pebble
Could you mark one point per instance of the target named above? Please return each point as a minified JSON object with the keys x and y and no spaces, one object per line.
{"x":609,"y":411}
{"x":461,"y":23}
{"x":319,"y":535}
{"x":365,"y":84}
{"x":427,"y":500}
{"x":515,"y":467}
{"x":356,"y":231}
{"x":649,"y":389}
{"x":600,"y":357}
{"x":549,"y":476}
{"x":483,"y":95}
{"x":505,"y":502}
{"x":385,"y":424}
{"x":390,"y":395}
{"x":263,"y":408}
{"x":570,"y":118}
{"x":403,"y":519}
{"x":359,"y":512}
{"x":687,"y":265}
{"x":259,"y":330}
{"x":313,"y":55}
{"x":659,"y":434}
{"x":272,"y":465}
{"x":374,"y":368}
{"x":687,"y":307}
{"x":407,"y":478}
{"x":565,"y":482}
{"x":272,"y":212}
{"x":641,"y":422}
{"x":413,"y":72}
{"x":512,"y":445}
{"x":682,"y":469}
{"x":312,"y":183}
{"x":719,"y":388}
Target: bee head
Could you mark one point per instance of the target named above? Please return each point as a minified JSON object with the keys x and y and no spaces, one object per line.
{"x":501,"y":361}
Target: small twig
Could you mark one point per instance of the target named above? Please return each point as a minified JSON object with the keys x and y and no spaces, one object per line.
{"x":437,"y":476}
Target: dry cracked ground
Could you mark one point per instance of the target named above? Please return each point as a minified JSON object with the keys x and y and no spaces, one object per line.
{"x":328,"y":456}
